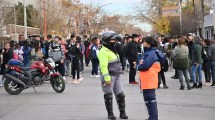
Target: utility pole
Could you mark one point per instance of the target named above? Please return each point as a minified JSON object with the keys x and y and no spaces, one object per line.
{"x":180,"y":5}
{"x":214,"y":14}
{"x":25,"y":21}
{"x":44,"y":15}
{"x":194,"y":17}
{"x":16,"y":37}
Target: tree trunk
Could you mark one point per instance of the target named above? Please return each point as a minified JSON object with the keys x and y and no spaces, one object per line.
{"x":194,"y":13}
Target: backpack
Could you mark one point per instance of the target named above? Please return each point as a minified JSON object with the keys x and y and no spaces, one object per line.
{"x":15,"y":56}
{"x":161,"y":57}
{"x":72,"y":51}
{"x":56,"y":54}
{"x":165,"y":65}
{"x":89,"y":52}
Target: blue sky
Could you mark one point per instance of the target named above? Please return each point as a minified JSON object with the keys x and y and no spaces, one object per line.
{"x":123,"y":7}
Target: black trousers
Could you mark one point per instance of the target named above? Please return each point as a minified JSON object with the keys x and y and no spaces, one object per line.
{"x":95,"y":66}
{"x":60,"y":68}
{"x":161,"y":77}
{"x":87,"y":60}
{"x":132,"y":72}
{"x":207,"y":71}
{"x":75,"y":67}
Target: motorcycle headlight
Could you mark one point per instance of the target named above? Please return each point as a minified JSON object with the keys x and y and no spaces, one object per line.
{"x":51,"y":62}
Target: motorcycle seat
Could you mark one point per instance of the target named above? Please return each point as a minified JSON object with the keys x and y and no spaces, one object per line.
{"x":25,"y":68}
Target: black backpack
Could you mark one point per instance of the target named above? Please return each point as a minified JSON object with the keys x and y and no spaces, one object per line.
{"x":90,"y":54}
{"x":72,"y":51}
{"x":56,"y":52}
{"x":165,"y":65}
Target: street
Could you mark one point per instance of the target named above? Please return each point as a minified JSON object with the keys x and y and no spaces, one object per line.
{"x":85,"y":101}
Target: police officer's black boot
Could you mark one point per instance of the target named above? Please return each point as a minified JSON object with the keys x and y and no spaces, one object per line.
{"x":109,"y":105}
{"x":121,"y":104}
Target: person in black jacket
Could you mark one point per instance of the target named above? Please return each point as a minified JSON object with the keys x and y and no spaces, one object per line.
{"x":206,"y":62}
{"x":47,"y":44}
{"x":7,"y":55}
{"x":119,"y":51}
{"x":132,"y":58}
{"x":75,"y":55}
{"x":86,"y":45}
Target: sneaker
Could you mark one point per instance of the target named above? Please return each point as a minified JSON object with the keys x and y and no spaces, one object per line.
{"x":80,"y":79}
{"x":64,"y":77}
{"x":74,"y":81}
{"x":0,"y":85}
{"x":207,"y":84}
{"x":134,"y":83}
{"x":92,"y":76}
{"x":70,"y":81}
{"x":66,"y":73}
{"x":47,"y":81}
{"x":161,"y":85}
{"x":97,"y":76}
{"x":165,"y":87}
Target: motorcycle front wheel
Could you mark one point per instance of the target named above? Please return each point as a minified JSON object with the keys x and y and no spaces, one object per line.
{"x":58,"y":84}
{"x":12,"y":87}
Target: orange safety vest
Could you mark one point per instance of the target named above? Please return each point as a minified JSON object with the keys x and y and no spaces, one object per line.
{"x":149,"y":78}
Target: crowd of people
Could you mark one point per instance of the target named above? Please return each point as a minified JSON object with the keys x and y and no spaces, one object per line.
{"x":111,"y":54}
{"x":71,"y":54}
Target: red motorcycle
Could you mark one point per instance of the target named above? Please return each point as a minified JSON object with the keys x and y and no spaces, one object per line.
{"x":18,"y":78}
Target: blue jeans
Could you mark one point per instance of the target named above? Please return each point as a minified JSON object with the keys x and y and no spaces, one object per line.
{"x":151,"y":103}
{"x":196,"y":68}
{"x":213,"y":70}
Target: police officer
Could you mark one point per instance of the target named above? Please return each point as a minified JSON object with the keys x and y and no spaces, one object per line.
{"x":111,"y":75}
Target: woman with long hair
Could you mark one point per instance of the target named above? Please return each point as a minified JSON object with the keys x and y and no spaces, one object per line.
{"x":38,"y":52}
{"x":181,"y":62}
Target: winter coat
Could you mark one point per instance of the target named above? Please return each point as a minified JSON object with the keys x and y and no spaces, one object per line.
{"x":211,"y":52}
{"x":181,"y":57}
{"x":149,"y":69}
{"x":197,"y":54}
{"x":132,"y":51}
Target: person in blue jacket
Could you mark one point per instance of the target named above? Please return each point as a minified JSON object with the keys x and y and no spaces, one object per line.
{"x":27,"y":54}
{"x":149,"y":68}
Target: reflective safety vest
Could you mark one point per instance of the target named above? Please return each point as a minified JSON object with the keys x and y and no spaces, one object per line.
{"x":109,"y":63}
{"x":149,"y":78}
